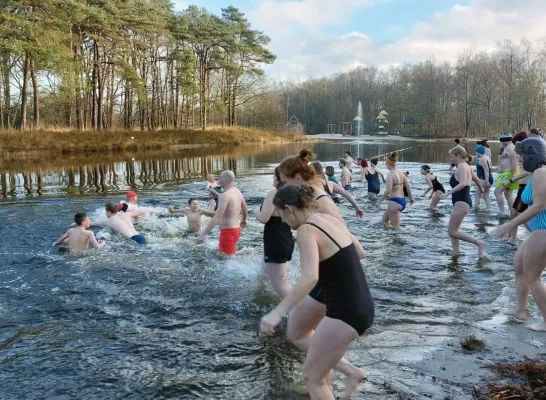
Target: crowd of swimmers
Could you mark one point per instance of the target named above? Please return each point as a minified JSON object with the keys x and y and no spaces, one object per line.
{"x":330,"y":304}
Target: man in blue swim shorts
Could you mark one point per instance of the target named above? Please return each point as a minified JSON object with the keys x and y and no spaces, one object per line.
{"x":122,"y":223}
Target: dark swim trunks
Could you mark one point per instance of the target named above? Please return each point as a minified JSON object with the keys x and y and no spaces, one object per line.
{"x":139,"y":239}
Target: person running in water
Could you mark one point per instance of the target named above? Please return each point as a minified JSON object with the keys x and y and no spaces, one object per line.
{"x":121,"y":223}
{"x":508,"y":169}
{"x":485,"y":175}
{"x":434,"y":186}
{"x":530,"y":259}
{"x":331,"y":174}
{"x":350,"y":161}
{"x":372,"y":174}
{"x":230,"y":205}
{"x":278,"y":241}
{"x":331,"y":254}
{"x":345,"y":177}
{"x":333,"y":188}
{"x":394,"y":192}
{"x":460,"y":197}
{"x":79,"y":238}
{"x":305,"y":317}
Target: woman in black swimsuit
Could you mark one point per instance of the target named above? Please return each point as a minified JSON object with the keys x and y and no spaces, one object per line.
{"x":309,"y":312}
{"x":278,"y":241}
{"x":329,"y":252}
{"x":460,"y":197}
{"x":434,"y":185}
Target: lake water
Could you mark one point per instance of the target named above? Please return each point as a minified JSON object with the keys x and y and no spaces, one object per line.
{"x":172,"y":320}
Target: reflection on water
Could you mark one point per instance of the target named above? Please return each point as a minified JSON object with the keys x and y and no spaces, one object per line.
{"x":146,"y":170}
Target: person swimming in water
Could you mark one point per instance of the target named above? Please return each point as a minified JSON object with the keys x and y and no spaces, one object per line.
{"x":121,"y":223}
{"x":277,"y":239}
{"x":329,"y":253}
{"x":530,"y":259}
{"x":394,"y":192}
{"x":460,"y":197}
{"x":485,"y":175}
{"x":434,"y":186}
{"x":193,"y":213}
{"x":79,"y":238}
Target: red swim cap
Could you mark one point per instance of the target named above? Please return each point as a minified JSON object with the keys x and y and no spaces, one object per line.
{"x":131,"y":194}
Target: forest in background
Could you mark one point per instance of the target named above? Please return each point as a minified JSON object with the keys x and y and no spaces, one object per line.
{"x":139,"y":65}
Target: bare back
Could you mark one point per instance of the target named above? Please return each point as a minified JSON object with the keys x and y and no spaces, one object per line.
{"x":396,"y":180}
{"x":325,"y":204}
{"x":78,"y":239}
{"x":233,"y":201}
{"x":122,"y":223}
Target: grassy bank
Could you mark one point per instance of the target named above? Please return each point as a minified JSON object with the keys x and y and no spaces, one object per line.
{"x":91,"y":141}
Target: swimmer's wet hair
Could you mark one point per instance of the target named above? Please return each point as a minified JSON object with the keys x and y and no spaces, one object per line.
{"x":348,"y":152}
{"x":393,"y":156}
{"x":374,"y":161}
{"x":112,"y":207}
{"x":79,"y":218}
{"x":330,"y":171}
{"x":343,"y":162}
{"x":292,"y":166}
{"x":458,"y":141}
{"x":192,"y":199}
{"x":300,"y":196}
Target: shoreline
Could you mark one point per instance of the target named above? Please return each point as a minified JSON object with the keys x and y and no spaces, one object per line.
{"x":16,"y":144}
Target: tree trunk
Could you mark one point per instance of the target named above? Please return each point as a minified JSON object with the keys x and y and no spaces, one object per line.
{"x":6,"y":112}
{"x":24,"y":93}
{"x":36,"y":93}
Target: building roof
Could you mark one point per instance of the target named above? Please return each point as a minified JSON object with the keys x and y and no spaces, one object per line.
{"x":381,"y":117}
{"x":383,"y":112}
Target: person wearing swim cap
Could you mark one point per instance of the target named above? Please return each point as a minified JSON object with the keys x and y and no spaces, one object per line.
{"x":508,"y":170}
{"x":530,"y":259}
{"x":434,"y":186}
{"x":485,"y":174}
{"x":485,"y":143}
{"x":394,"y":191}
{"x":231,"y":204}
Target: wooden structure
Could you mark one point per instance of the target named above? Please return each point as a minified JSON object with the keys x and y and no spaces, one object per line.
{"x":340,"y":128}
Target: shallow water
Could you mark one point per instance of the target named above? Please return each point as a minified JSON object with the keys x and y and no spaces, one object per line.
{"x":172,"y":320}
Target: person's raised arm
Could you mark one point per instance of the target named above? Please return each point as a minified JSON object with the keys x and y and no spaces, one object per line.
{"x":136,"y":213}
{"x":309,"y":262}
{"x":222,"y":206}
{"x":339,"y":190}
{"x":103,"y":222}
{"x":173,"y":211}
{"x":208,"y":213}
{"x":539,"y":204}
{"x":264,"y":214}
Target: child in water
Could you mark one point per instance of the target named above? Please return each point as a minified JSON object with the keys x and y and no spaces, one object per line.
{"x":193,"y":213}
{"x":79,"y":238}
{"x":211,"y":182}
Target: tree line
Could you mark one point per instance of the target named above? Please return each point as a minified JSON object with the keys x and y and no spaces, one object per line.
{"x":126,"y":64}
{"x":481,"y":94}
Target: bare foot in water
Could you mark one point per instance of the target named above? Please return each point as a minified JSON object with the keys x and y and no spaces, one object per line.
{"x":481,"y":248}
{"x":538,"y":327}
{"x":513,"y":312}
{"x":353,"y":380}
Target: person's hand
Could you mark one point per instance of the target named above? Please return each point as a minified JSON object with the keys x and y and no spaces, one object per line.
{"x":171,"y":209}
{"x":446,"y":194}
{"x":500,"y":231}
{"x":359,"y":213}
{"x":101,"y":243}
{"x":506,"y":182}
{"x":200,"y":240}
{"x":411,"y":200}
{"x":269,"y":322}
{"x":244,"y":224}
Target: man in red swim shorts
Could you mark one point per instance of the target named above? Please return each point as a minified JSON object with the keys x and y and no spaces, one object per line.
{"x":230,"y":204}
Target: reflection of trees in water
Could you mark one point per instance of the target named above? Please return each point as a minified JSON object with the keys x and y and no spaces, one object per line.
{"x":115,"y":176}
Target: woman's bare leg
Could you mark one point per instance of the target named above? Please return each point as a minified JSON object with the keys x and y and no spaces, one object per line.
{"x":394,"y":210}
{"x":487,"y":197}
{"x":534,"y":262}
{"x":522,"y":288}
{"x":514,"y":232}
{"x":499,"y":196}
{"x":460,"y":210}
{"x":303,"y":320}
{"x":277,"y":276}
{"x":477,"y":199}
{"x":329,"y":344}
{"x":436,"y":197}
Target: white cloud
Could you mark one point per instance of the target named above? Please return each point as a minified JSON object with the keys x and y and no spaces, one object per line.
{"x":304,"y":50}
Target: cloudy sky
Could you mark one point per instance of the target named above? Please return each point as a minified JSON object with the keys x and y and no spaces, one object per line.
{"x":314,"y":38}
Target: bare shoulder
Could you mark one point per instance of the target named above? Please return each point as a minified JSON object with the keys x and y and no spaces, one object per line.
{"x":539,"y":173}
